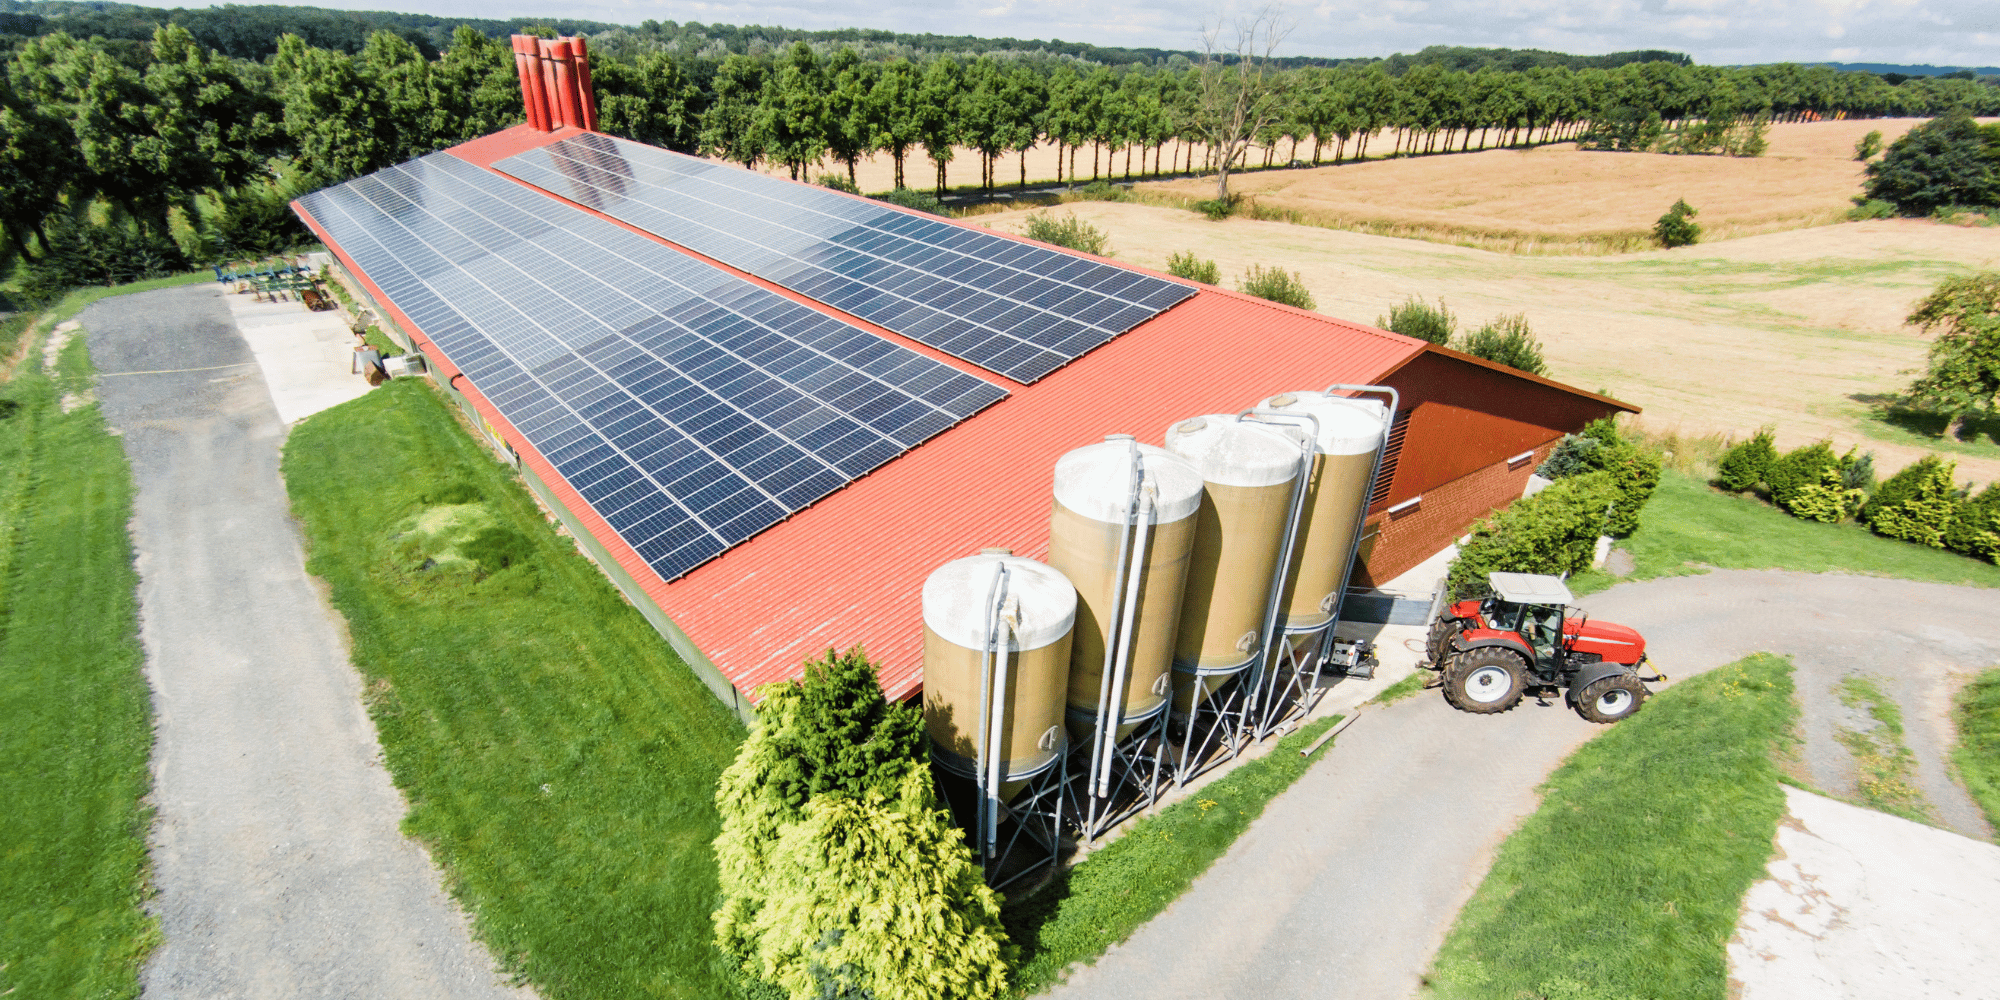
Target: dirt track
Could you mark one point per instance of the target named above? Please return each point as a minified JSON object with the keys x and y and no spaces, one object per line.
{"x":1797,"y":329}
{"x":1347,"y":884}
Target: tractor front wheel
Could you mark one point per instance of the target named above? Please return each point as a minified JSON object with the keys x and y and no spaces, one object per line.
{"x":1486,"y":681}
{"x":1608,"y":699}
{"x":1437,"y":645}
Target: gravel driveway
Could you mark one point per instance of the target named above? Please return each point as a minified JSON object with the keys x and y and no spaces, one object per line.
{"x":1347,"y":884}
{"x":280,"y":868}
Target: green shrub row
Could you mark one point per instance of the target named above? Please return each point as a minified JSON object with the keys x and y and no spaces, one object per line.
{"x":1634,"y":471}
{"x":1922,"y":503}
{"x":841,"y":875}
{"x":1554,"y":532}
{"x":1507,"y":340}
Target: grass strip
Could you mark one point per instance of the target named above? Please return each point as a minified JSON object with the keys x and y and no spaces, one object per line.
{"x":1627,"y":881}
{"x":1887,"y":778}
{"x":75,"y":713}
{"x":1103,"y":899}
{"x":1688,"y":528}
{"x":559,"y":759}
{"x":1405,"y":688}
{"x":1978,"y":752}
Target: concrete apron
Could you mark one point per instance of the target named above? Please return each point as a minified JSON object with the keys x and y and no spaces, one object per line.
{"x":279,"y":866}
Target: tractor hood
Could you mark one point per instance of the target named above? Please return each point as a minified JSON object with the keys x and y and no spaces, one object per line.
{"x":1616,"y":643}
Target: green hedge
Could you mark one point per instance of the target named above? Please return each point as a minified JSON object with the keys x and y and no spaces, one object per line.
{"x":1634,"y":473}
{"x":1554,"y":532}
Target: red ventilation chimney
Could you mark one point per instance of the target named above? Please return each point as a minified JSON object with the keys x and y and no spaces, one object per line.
{"x":555,"y":83}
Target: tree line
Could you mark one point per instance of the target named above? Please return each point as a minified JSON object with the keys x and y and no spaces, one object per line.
{"x":193,"y":151}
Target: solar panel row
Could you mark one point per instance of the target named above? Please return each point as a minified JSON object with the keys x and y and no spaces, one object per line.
{"x":1014,"y":308}
{"x":691,"y":408}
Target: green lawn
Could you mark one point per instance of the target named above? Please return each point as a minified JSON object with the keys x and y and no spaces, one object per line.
{"x":75,"y":717}
{"x":1978,"y":751}
{"x":1104,"y":898}
{"x":1626,"y":883}
{"x":559,"y":758}
{"x":1688,"y":527}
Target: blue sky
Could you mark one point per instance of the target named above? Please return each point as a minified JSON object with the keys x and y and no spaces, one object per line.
{"x":1941,"y":32}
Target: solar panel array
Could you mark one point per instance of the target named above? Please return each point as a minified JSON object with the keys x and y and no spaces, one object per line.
{"x":690,"y":407}
{"x":1010,"y":307}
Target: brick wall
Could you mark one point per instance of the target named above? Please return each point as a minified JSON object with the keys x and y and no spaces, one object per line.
{"x":1394,"y":542}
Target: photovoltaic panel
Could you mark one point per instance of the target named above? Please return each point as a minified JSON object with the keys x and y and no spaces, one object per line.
{"x":690,"y":407}
{"x":1014,"y":308}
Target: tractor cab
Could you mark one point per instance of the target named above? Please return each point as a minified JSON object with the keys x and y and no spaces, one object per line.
{"x":1528,"y":636}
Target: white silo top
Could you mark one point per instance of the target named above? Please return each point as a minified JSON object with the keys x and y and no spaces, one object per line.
{"x":956,"y":608}
{"x":1347,"y":425}
{"x":1232,"y":452}
{"x":1095,"y":481}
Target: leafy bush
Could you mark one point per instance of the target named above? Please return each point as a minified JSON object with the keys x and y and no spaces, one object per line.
{"x":1975,"y":531}
{"x":1962,"y":372}
{"x":1950,"y":160}
{"x":1571,"y":457}
{"x":838,"y":182}
{"x":79,"y":253}
{"x":1187,"y":265}
{"x":1554,"y":531}
{"x":922,"y":201}
{"x":1419,"y":319}
{"x":1068,"y":231}
{"x":1800,"y":468}
{"x":1508,"y":341}
{"x":1100,"y":191}
{"x":1218,"y":209}
{"x":1743,"y":467}
{"x":840,"y":874}
{"x":1677,"y":228}
{"x":1634,"y":472}
{"x":1624,"y":128}
{"x":1916,"y":504}
{"x":1866,"y":208}
{"x":1868,"y":145}
{"x":1277,"y":285}
{"x":1828,"y":501}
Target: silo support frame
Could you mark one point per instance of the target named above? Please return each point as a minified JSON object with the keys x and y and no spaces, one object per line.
{"x":1125,"y":781}
{"x":1036,"y":817}
{"x":1212,"y":733}
{"x":1292,"y":680}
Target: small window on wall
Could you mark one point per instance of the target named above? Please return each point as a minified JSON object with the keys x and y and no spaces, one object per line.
{"x":1390,"y":454}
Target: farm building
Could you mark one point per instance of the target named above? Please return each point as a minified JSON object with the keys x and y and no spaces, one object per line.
{"x":769,"y":410}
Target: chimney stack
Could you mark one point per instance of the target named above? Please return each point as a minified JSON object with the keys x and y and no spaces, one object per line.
{"x":555,"y":83}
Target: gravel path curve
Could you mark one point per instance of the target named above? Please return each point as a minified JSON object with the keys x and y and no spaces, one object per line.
{"x":1347,"y":884}
{"x":280,"y":868}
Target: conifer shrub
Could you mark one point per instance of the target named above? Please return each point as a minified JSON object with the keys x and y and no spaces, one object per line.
{"x":1187,"y":265}
{"x":1975,"y":531}
{"x":1571,"y":457}
{"x":1828,"y":501}
{"x":841,"y":874}
{"x":1917,"y":504}
{"x":1799,"y":469}
{"x":1743,"y":466}
{"x":1277,"y":285}
{"x":1633,"y":471}
{"x":1554,"y":532}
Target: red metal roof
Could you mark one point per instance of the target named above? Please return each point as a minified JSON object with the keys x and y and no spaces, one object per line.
{"x":849,"y":569}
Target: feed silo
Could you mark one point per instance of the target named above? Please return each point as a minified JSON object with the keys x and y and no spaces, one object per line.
{"x":1248,"y":469}
{"x":1122,"y":506}
{"x":1350,"y":433}
{"x":996,"y":622}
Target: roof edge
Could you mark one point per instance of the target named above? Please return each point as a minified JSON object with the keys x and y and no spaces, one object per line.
{"x":1456,"y":355}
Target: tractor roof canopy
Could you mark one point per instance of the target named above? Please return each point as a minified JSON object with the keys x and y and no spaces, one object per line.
{"x":1529,"y":588}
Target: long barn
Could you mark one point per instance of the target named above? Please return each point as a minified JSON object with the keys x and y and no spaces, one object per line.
{"x":768,"y":410}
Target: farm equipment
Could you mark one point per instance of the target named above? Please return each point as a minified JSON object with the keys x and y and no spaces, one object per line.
{"x":1526,"y":638}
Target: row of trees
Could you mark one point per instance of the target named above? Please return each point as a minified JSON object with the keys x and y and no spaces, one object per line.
{"x":189,"y":135}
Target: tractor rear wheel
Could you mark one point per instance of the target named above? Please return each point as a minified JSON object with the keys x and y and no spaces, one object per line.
{"x":1608,"y":699}
{"x":1437,"y":645}
{"x":1486,"y":681}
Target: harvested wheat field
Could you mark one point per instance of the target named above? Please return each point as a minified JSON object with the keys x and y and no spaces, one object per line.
{"x":1564,"y":200}
{"x":1801,"y":329}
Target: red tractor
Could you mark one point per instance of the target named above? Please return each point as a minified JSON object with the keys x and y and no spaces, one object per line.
{"x":1491,"y":652}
